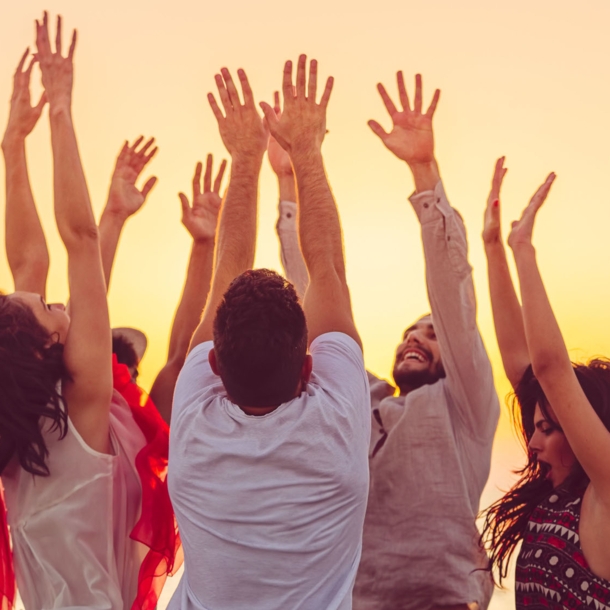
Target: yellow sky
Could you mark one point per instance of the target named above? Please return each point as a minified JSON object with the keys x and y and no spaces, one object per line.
{"x":530,"y":80}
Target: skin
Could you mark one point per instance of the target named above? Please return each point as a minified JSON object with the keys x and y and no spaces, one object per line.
{"x":53,"y":316}
{"x":551,"y":447}
{"x":409,"y":373}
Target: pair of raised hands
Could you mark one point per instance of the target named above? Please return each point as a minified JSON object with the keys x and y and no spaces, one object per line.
{"x":522,"y":229}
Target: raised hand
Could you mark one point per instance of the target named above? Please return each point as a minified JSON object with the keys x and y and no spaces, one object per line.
{"x":23,"y":116}
{"x":242,"y":130}
{"x":411,"y":138}
{"x":302,"y":125}
{"x":491,"y":229}
{"x":278,"y":157}
{"x":57,"y":71}
{"x":522,"y":229}
{"x":124,"y":197}
{"x":201,"y":219}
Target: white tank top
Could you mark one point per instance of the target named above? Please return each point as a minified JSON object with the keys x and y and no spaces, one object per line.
{"x":70,"y":530}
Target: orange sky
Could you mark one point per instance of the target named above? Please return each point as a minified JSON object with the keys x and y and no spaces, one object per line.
{"x":527,"y":80}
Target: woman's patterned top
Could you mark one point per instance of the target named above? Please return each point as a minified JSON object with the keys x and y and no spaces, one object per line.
{"x":552,"y":571}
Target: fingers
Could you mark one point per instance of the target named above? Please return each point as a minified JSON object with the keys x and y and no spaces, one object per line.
{"x":58,"y":36}
{"x":287,"y":82}
{"x":433,"y":104}
{"x":378,"y":129}
{"x":402,"y":91}
{"x":22,"y":62}
{"x":184,"y":204}
{"x":327,"y":91}
{"x":148,"y":186}
{"x":42,"y":36}
{"x":389,"y":104}
{"x":72,"y":46}
{"x":28,"y":71}
{"x":197,"y":180}
{"x":215,"y":108}
{"x":418,"y":94}
{"x":231,"y":88}
{"x":541,"y":194}
{"x":499,"y":173}
{"x":245,"y":87}
{"x":225,"y":99}
{"x":221,"y":172}
{"x":270,"y":116}
{"x":312,"y":85}
{"x":301,"y":69}
{"x":276,"y":103}
{"x":207,"y":178}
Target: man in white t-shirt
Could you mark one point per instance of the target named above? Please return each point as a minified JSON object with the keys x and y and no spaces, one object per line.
{"x":268,"y":468}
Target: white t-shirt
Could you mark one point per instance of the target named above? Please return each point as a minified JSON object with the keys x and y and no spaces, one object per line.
{"x":271,"y":508}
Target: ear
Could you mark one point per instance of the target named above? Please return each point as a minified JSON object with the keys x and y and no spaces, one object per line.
{"x":306,"y":369}
{"x":213,"y":362}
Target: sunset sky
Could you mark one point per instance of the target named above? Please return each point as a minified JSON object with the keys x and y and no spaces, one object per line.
{"x":529,"y":80}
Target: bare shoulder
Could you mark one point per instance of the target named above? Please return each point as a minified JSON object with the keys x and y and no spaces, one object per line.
{"x":595,"y":533}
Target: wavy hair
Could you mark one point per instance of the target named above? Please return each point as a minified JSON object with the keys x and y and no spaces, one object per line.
{"x":31,"y":365}
{"x":506,"y":520}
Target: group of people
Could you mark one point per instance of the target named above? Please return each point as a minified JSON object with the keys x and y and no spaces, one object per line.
{"x":266,"y":457}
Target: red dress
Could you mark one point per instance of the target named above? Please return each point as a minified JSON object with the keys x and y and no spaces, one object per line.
{"x":552,"y":571}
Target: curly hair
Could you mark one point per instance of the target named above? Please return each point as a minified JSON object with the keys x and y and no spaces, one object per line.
{"x":31,"y":365}
{"x":260,"y":339}
{"x":506,"y":520}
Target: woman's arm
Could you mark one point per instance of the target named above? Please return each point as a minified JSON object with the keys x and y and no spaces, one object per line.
{"x":586,"y":433}
{"x":124,"y":198}
{"x":201,"y":221}
{"x":508,"y":320}
{"x":88,"y":346}
{"x":26,"y":246}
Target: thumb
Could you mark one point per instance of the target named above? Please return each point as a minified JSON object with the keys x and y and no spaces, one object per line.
{"x":148,"y":186}
{"x":270,"y":116}
{"x":41,"y":103}
{"x":378,"y":129}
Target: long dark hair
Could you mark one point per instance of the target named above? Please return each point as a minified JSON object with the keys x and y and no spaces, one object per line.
{"x":506,"y":520}
{"x":31,"y":365}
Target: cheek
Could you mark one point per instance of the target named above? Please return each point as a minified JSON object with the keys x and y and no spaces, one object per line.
{"x":561,"y":450}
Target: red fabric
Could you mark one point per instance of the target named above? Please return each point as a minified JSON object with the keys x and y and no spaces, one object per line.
{"x":156,"y":527}
{"x":8,"y":588}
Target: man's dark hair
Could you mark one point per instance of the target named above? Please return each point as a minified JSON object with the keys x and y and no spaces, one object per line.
{"x":260,"y":339}
{"x":124,"y":350}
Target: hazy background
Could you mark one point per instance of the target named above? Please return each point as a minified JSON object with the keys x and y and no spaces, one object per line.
{"x":521,"y":79}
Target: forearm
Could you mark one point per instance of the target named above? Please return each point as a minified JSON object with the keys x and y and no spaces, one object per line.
{"x":73,"y":212}
{"x":290,"y":250}
{"x":319,"y":226}
{"x":506,"y":309}
{"x":110,"y":229}
{"x":545,"y":342}
{"x":287,"y":187}
{"x":26,"y":247}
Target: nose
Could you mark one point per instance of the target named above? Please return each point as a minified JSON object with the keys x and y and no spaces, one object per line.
{"x":59,"y":306}
{"x":535,"y":445}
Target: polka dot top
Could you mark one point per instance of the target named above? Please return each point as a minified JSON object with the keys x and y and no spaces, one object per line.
{"x":552,"y":571}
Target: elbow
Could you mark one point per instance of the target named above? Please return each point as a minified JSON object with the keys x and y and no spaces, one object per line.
{"x":547,"y":366}
{"x":81,"y":235}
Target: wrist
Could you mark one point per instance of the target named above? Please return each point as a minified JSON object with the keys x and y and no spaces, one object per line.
{"x":523,"y":249}
{"x":306,"y":157}
{"x":426,"y":175}
{"x":287,"y":185}
{"x":13,"y":139}
{"x":248,"y":159}
{"x":494,"y":246}
{"x":60,"y":110}
{"x":201,"y":242}
{"x":113,"y":217}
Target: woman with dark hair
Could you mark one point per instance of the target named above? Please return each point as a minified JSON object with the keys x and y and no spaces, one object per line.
{"x":560,"y":508}
{"x":79,"y":477}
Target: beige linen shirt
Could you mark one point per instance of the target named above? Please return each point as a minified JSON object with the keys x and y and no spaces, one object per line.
{"x":430,"y":450}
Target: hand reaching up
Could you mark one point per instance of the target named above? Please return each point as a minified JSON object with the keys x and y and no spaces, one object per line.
{"x":57,"y":71}
{"x":302,"y":124}
{"x":522,"y":229}
{"x":124,"y":197}
{"x":278,"y":157}
{"x":201,"y":220}
{"x":411,"y":138}
{"x":492,"y":233}
{"x":23,"y":116}
{"x":242,"y":130}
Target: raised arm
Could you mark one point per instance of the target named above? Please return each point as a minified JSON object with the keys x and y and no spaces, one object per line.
{"x":26,"y":247}
{"x":201,"y":221}
{"x":586,"y":433}
{"x":124,"y":197}
{"x":88,"y":346}
{"x":245,"y":137}
{"x":448,"y":272}
{"x":286,"y":226}
{"x":508,"y":320}
{"x":300,"y":131}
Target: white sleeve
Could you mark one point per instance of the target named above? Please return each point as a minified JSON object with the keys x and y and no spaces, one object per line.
{"x":196,"y":377}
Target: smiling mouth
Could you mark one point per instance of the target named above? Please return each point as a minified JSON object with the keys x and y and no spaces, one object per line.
{"x":414,"y":356}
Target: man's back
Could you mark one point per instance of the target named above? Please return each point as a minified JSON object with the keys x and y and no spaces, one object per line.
{"x":271,"y":507}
